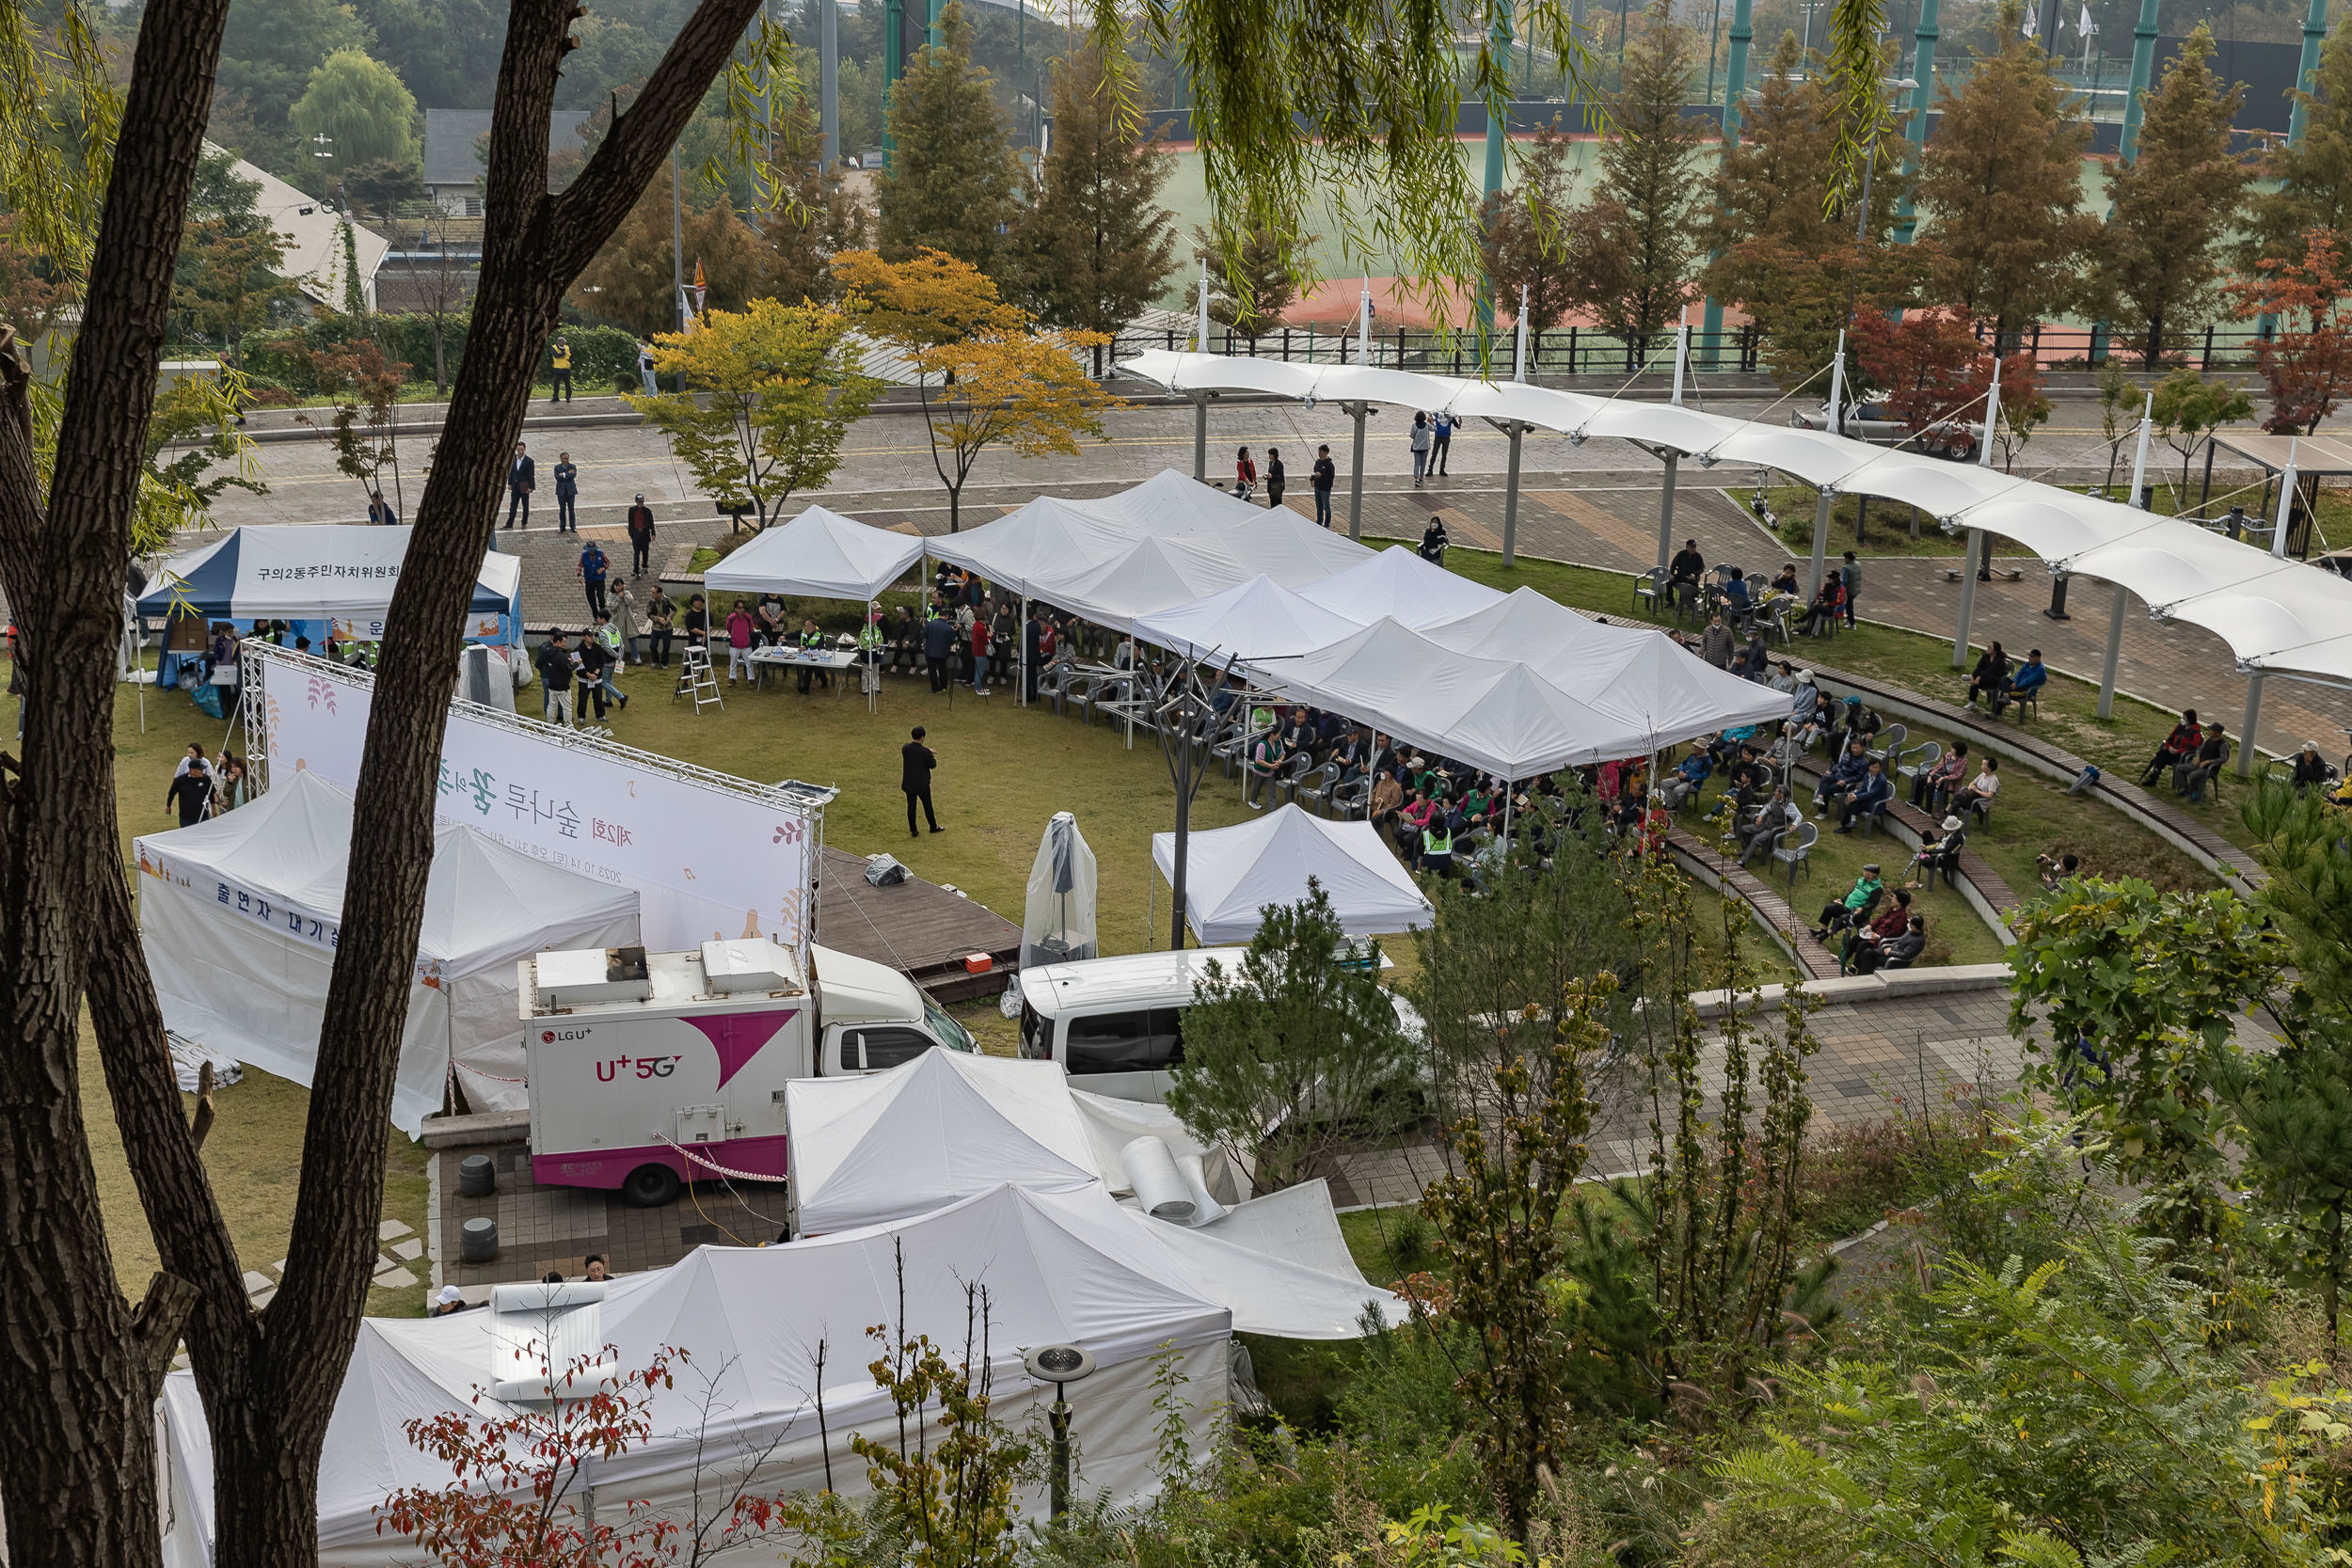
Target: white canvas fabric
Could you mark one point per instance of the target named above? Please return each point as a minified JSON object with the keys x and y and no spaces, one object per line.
{"x":818,"y":555}
{"x":1058,"y":1268}
{"x":889,"y":1146}
{"x":1256,"y":619}
{"x":1233,"y":872}
{"x":1399,"y":586}
{"x":1170,"y":502}
{"x":1493,"y":714}
{"x":238,"y":917}
{"x":2060,"y":526}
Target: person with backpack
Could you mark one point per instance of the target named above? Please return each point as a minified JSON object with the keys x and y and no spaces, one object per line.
{"x":1441,"y":442}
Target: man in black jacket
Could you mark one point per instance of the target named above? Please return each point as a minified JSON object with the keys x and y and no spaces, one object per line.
{"x":1684,"y":571}
{"x":939,"y":638}
{"x":915,"y":779}
{"x":640,"y":535}
{"x":1325,"y":474}
{"x":191,"y":791}
{"x":522,"y":477}
{"x":554,"y":660}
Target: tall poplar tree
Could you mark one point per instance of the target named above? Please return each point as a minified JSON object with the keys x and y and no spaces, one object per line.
{"x":2308,"y":185}
{"x":953,"y":183}
{"x":2001,"y":185}
{"x":1646,"y":210}
{"x":1095,"y":245}
{"x":2157,"y":258}
{"x":1772,"y":186}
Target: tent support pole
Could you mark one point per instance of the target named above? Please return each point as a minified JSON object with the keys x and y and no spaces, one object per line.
{"x":1021,"y":696}
{"x":1356,"y":477}
{"x":1511,"y":503}
{"x":1968,"y":592}
{"x":1200,"y":439}
{"x":2246,"y":730}
{"x":2115,"y":650}
{"x":1821,"y":540}
{"x":1666,"y":515}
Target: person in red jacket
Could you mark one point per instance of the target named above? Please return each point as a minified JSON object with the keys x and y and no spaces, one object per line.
{"x":980,"y":656}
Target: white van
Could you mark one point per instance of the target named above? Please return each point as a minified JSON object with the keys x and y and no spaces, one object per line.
{"x":1116,"y":1025}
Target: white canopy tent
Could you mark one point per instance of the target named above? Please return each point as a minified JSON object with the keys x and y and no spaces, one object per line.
{"x":887,"y":1146}
{"x":1065,"y":1267}
{"x":1232,"y":873}
{"x":1398,"y":585}
{"x":2064,"y":528}
{"x":239,"y":918}
{"x":1256,"y":619}
{"x":317,"y":574}
{"x":820,"y":555}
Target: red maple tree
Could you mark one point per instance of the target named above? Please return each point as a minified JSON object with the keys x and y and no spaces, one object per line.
{"x":2307,"y":361}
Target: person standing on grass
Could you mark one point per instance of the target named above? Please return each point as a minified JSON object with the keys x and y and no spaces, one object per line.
{"x":1325,"y":474}
{"x":191,"y":791}
{"x":939,"y":638}
{"x":1273,"y":478}
{"x":566,"y":494}
{"x":607,"y":638}
{"x":738,"y":642}
{"x":980,"y":636}
{"x":593,"y":567}
{"x":697,"y":624}
{"x":555,"y":679}
{"x":915,"y":766}
{"x":624,"y":621}
{"x":640,"y":535}
{"x":595,"y":671}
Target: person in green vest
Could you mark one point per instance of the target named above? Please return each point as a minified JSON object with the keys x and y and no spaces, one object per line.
{"x":1437,"y":846}
{"x":1854,"y":908}
{"x":813,"y":642}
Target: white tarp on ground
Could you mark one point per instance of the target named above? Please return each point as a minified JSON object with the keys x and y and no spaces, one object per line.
{"x":239,"y":918}
{"x":1058,"y":1268}
{"x":820,"y":555}
{"x":1493,"y":714}
{"x":1232,"y":873}
{"x":1637,"y":672}
{"x":1256,"y":619}
{"x":1399,"y":586}
{"x":886,"y":1145}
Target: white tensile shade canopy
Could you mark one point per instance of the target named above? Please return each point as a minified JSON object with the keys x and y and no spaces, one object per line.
{"x":1256,"y":619}
{"x":239,"y":917}
{"x":1233,"y":872}
{"x":818,"y":555}
{"x":887,"y":1146}
{"x":1058,"y":1268}
{"x":1399,"y":586}
{"x":1058,"y":919}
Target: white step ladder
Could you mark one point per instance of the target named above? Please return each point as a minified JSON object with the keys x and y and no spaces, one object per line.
{"x":696,"y":679}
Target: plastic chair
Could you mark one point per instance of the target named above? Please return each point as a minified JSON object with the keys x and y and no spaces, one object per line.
{"x":1650,"y":585}
{"x":1890,"y":741}
{"x":1924,"y":756}
{"x":1315,"y":788}
{"x":2030,"y":698}
{"x":1350,"y":801}
{"x":1795,"y":848}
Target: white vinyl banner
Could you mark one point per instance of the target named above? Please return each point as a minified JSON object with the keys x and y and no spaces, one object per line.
{"x":707,"y":862}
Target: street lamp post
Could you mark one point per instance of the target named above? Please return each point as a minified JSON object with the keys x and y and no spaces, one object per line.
{"x":1059,"y":1364}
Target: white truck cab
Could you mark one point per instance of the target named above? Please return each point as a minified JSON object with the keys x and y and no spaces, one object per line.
{"x":1116,"y":1025}
{"x":649,"y":1069}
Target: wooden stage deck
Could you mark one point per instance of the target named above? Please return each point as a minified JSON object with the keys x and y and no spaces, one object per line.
{"x":916,"y":926}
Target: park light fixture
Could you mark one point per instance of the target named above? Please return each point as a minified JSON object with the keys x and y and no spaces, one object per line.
{"x":1059,"y":1365}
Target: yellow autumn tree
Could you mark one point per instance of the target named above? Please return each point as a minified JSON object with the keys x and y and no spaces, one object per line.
{"x":988,"y":377}
{"x":770,"y":390}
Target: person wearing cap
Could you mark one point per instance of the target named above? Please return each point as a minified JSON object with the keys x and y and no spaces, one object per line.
{"x":594,"y":566}
{"x":2309,"y":766}
{"x":2192,"y":773}
{"x":1856,"y":906}
{"x":1891,"y":920}
{"x":566,"y":494}
{"x":1684,"y":571}
{"x":1849,"y":584}
{"x":448,"y":1303}
{"x":640,"y":535}
{"x":1940,"y":846}
{"x":1805,"y":698}
{"x":2028,"y":680}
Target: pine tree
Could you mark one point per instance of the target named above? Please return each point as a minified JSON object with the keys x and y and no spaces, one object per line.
{"x":2308,"y":185}
{"x":953,"y":183}
{"x":2158,"y":253}
{"x":1647,"y":209}
{"x":1096,"y":243}
{"x":817,"y":219}
{"x":1251,"y":283}
{"x":2002,"y":187}
{"x":1772,"y":186}
{"x":1530,"y":238}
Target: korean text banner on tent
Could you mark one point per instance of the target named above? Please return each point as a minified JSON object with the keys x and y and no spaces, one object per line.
{"x":706,"y":863}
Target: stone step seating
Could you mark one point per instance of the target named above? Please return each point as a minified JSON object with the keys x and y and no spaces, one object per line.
{"x":1906,"y":823}
{"x":1791,"y":930}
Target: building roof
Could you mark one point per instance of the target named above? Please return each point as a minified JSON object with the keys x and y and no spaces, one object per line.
{"x":310,"y":232}
{"x":452,"y":137}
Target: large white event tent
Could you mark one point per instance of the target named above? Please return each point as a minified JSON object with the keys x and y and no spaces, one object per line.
{"x":1249,"y":620}
{"x":2273,"y":613}
{"x":239,"y":918}
{"x":1058,"y":1268}
{"x":886,"y":1145}
{"x":1399,"y":585}
{"x":818,"y":555}
{"x":1233,"y":872}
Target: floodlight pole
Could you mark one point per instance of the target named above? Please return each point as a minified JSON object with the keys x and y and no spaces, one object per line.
{"x":1976,"y":535}
{"x":1058,"y":1422}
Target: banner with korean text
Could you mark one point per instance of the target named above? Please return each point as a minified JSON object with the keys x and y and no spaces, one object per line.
{"x":706,"y":862}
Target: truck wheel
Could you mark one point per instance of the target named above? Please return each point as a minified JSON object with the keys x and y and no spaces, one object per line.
{"x":650,"y":1187}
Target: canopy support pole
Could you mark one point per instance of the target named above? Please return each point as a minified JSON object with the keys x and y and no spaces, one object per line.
{"x":1020,"y":697}
{"x":1666,"y":518}
{"x":1820,"y":541}
{"x":2115,"y":651}
{"x":1200,"y":439}
{"x":2245,"y":731}
{"x":1968,"y":596}
{"x":1356,"y":475}
{"x":1511,"y":502}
